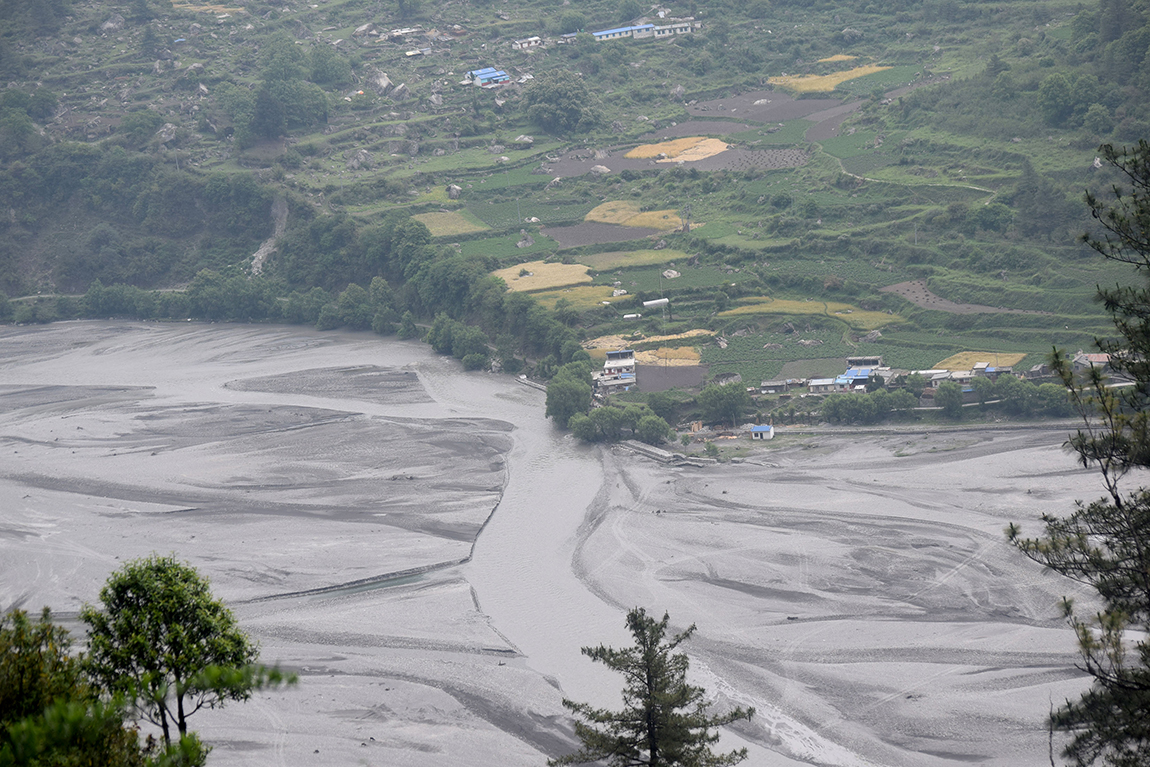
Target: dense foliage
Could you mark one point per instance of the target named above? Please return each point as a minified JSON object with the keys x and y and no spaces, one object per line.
{"x":1103,"y":544}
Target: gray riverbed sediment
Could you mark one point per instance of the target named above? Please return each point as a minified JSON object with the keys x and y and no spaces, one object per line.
{"x":856,"y":588}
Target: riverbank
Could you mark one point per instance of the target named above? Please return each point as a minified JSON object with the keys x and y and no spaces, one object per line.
{"x":854,"y":586}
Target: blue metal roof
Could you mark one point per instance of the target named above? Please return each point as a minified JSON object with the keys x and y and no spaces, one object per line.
{"x":620,"y":29}
{"x":484,"y":71}
{"x":761,"y":428}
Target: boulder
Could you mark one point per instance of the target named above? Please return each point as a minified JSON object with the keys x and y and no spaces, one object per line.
{"x":528,"y":140}
{"x":525,"y":240}
{"x":439,"y":152}
{"x":496,"y":148}
{"x":114,"y":23}
{"x":166,"y":133}
{"x":503,"y":159}
{"x":379,"y":82}
{"x":678,"y":92}
{"x":435,"y":100}
{"x":617,"y":127}
{"x":401,"y":92}
{"x":360,"y":158}
{"x":364,"y":29}
{"x":554,"y":183}
{"x":454,"y":191}
{"x":599,"y":170}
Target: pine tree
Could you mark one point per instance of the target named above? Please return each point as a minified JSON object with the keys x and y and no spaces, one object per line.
{"x":665,"y":722}
{"x":1106,"y":544}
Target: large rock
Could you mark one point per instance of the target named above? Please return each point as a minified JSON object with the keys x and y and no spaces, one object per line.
{"x":401,"y":92}
{"x":363,"y":29}
{"x":528,"y":140}
{"x":166,"y":133}
{"x":678,"y":92}
{"x":435,"y":100}
{"x":454,"y":191}
{"x":360,"y":158}
{"x":379,"y":82}
{"x":599,"y":170}
{"x":114,"y":23}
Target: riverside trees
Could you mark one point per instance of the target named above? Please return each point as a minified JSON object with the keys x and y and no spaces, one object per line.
{"x":170,"y":648}
{"x":1106,"y":543}
{"x":665,"y":721}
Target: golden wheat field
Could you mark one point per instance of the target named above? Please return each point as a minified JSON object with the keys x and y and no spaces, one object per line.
{"x":446,"y":224}
{"x":627,"y":213}
{"x":603,"y":343}
{"x":207,"y":8}
{"x":967,"y":360}
{"x":837,"y":57}
{"x":542,"y":276}
{"x":670,"y":148}
{"x":708,"y":147}
{"x":623,"y":258}
{"x":822,"y":83}
{"x":859,"y":319}
{"x":582,"y":298}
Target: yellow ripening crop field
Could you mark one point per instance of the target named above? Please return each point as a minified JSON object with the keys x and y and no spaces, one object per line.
{"x":619,"y":342}
{"x":670,"y":148}
{"x":967,"y":360}
{"x":853,"y":316}
{"x":542,"y":276}
{"x":206,"y":8}
{"x":450,"y":223}
{"x":680,"y":149}
{"x":623,"y":258}
{"x":823,"y":83}
{"x":582,"y":298}
{"x":627,"y":213}
{"x":669,"y":356}
{"x":837,"y":57}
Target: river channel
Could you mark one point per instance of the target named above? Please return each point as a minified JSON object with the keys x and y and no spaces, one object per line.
{"x":430,"y":554}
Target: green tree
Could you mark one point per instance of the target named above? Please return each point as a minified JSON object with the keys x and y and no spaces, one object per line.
{"x":948,"y":396}
{"x":168,"y":646}
{"x":561,"y":102}
{"x":724,"y":402}
{"x":565,"y":398}
{"x":1103,"y":544}
{"x":50,"y":713}
{"x":664,"y":721}
{"x":629,"y":9}
{"x":571,"y":21}
{"x":653,"y":430}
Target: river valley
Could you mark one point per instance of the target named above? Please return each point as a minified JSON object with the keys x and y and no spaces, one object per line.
{"x":430,"y":554}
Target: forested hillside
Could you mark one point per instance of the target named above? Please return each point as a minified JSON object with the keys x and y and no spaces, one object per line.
{"x":855,"y":147}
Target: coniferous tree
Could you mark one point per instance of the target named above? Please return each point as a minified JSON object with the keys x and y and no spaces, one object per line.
{"x":665,"y":722}
{"x":1106,"y":544}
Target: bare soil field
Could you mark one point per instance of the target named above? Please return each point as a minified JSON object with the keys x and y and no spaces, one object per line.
{"x":591,"y":233}
{"x":772,"y":107}
{"x":431,"y":558}
{"x":917,"y":293}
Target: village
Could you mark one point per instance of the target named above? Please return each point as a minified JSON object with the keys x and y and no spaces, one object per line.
{"x":863,"y":374}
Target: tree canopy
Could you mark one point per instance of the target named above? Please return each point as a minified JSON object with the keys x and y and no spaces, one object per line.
{"x":724,"y":402}
{"x":165,"y":643}
{"x":561,"y":102}
{"x":665,"y":721}
{"x":1104,"y":543}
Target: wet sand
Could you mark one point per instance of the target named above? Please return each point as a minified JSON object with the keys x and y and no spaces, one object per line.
{"x":430,"y":554}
